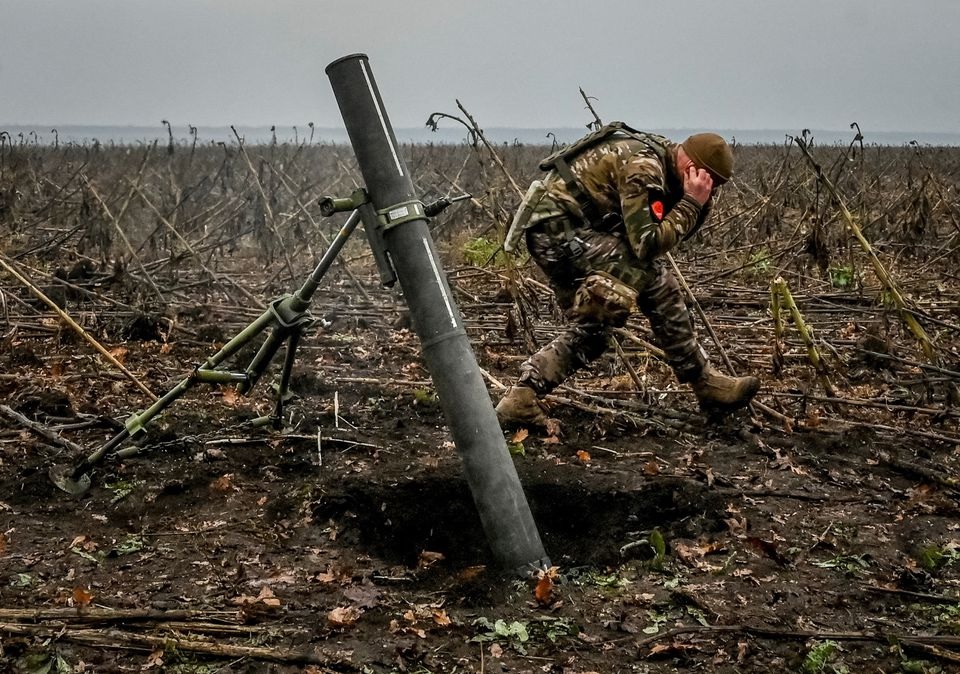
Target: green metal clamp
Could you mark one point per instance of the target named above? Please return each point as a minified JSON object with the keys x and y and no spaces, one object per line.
{"x":405,"y":211}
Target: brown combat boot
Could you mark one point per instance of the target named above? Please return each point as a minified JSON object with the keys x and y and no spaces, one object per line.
{"x":718,"y":392}
{"x":521,"y":406}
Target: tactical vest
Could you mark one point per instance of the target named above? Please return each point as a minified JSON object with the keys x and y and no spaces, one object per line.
{"x":560,"y":161}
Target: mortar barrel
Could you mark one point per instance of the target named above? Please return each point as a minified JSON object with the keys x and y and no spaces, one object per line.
{"x":488,"y":466}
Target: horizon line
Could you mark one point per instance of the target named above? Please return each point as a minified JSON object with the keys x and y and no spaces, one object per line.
{"x":316,"y":127}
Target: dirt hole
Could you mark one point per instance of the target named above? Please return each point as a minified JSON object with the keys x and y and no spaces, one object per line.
{"x":581,"y":522}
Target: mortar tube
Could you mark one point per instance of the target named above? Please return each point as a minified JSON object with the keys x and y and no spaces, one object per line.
{"x":491,"y":475}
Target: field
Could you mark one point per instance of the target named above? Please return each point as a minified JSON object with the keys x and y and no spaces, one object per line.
{"x":816,"y":532}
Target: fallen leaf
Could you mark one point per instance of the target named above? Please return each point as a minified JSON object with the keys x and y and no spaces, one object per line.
{"x":651,"y":468}
{"x":472,"y":572}
{"x":267,"y":597}
{"x":119,"y":353}
{"x":709,"y":475}
{"x":786,"y":463}
{"x":343,"y":616}
{"x":520,"y":435}
{"x":672,"y":648}
{"x":230,"y":396}
{"x":552,"y":427}
{"x":583,"y":456}
{"x":736,"y":526}
{"x":544,"y":590}
{"x":496,"y":651}
{"x":3,"y":543}
{"x":441,"y":618}
{"x":768,"y":548}
{"x":743,"y":649}
{"x":82,"y":597}
{"x":428,"y":559}
{"x":363,"y":596}
{"x":155,"y":659}
{"x":223,"y":484}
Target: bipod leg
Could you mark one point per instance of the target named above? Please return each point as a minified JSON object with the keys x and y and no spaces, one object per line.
{"x":288,"y":315}
{"x":76,"y":480}
{"x":290,"y":312}
{"x":284,"y":394}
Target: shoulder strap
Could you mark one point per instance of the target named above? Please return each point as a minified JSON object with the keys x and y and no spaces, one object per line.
{"x":560,"y":160}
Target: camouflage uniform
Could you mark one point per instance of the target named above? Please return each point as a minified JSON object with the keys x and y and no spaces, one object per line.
{"x":644,"y":215}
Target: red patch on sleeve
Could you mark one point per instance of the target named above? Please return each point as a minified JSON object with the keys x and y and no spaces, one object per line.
{"x":656,"y":207}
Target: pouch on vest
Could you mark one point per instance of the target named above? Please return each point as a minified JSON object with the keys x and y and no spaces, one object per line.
{"x":521,"y":218}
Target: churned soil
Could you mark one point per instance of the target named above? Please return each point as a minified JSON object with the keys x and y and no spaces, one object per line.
{"x":348,"y":542}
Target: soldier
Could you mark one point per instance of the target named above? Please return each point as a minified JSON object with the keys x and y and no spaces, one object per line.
{"x":612,"y":205}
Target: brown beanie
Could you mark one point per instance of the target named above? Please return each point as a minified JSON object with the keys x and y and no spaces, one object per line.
{"x":711,"y":152}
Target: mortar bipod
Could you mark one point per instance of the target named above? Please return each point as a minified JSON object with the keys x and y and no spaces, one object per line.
{"x":286,"y":317}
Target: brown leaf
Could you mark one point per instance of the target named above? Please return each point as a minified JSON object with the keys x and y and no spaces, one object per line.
{"x":155,"y":659}
{"x":230,"y":396}
{"x":428,"y":558}
{"x":344,"y":616}
{"x":672,"y":648}
{"x":81,"y":596}
{"x":782,"y":462}
{"x":552,"y":427}
{"x":583,"y":456}
{"x":768,"y":548}
{"x":223,"y":484}
{"x":520,"y":435}
{"x":651,"y":468}
{"x":472,"y":572}
{"x":120,"y":353}
{"x":3,"y":544}
{"x":267,"y":597}
{"x":544,"y":590}
{"x":363,"y":596}
{"x":736,"y":526}
{"x":441,"y":618}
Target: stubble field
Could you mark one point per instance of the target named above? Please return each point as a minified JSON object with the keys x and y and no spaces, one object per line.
{"x":816,"y":532}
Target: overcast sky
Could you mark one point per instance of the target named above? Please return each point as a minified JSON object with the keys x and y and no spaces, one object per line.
{"x":890,"y":65}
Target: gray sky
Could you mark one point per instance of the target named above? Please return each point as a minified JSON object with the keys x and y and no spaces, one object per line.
{"x":737,"y":64}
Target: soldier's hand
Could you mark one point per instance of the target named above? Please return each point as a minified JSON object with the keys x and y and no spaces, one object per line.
{"x":697,"y":184}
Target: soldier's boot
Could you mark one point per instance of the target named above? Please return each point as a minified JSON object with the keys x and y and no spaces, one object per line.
{"x":717,"y":392}
{"x":519,"y":406}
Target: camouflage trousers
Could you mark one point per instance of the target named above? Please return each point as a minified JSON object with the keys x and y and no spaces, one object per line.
{"x":659,"y":298}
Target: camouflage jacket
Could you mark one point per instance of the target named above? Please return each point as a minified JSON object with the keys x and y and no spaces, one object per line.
{"x":632,"y":183}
